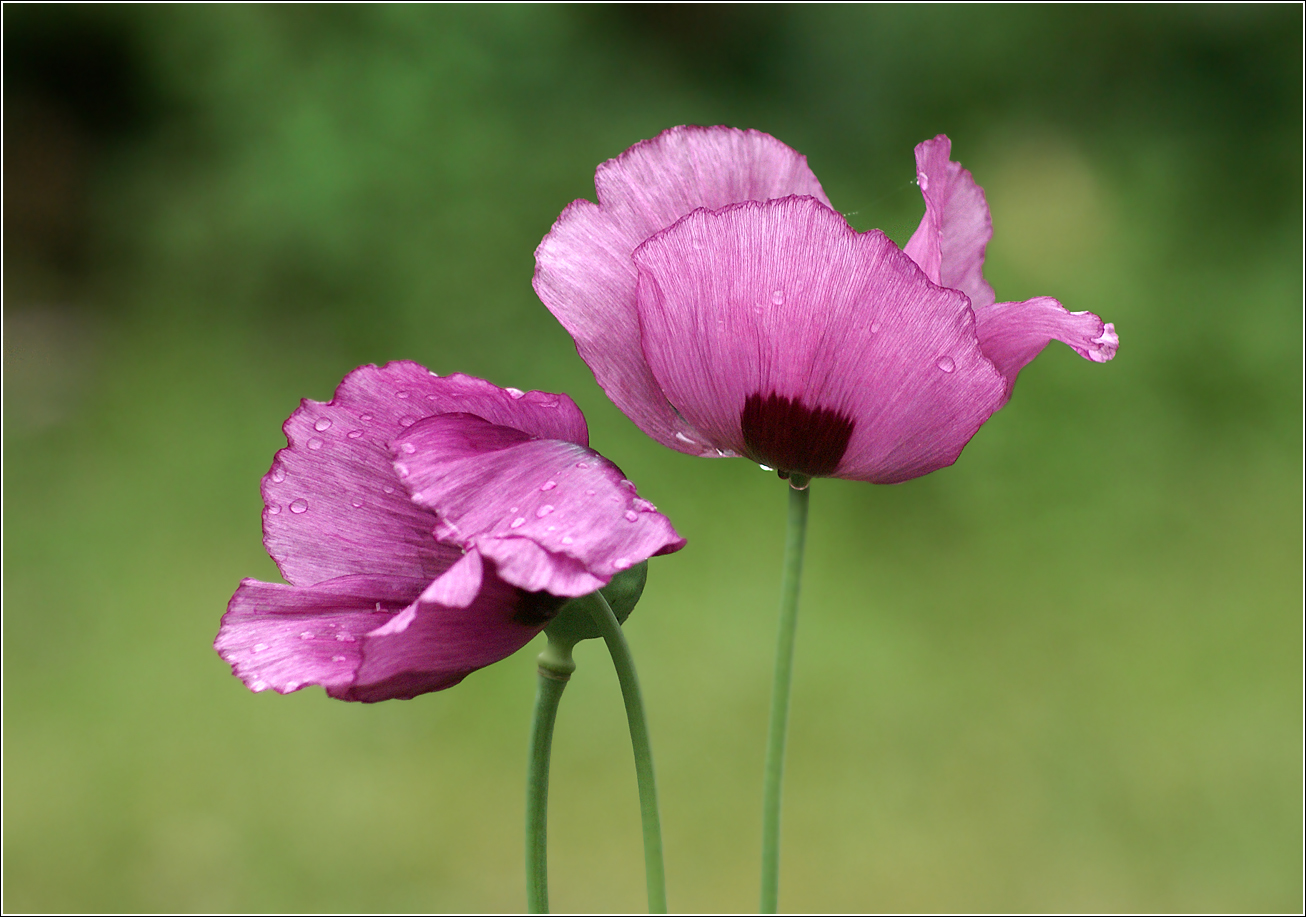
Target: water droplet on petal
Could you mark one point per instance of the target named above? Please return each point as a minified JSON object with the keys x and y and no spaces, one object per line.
{"x":589,"y":493}
{"x":260,"y":647}
{"x":875,"y":327}
{"x":345,"y":638}
{"x":778,"y":297}
{"x":766,"y":467}
{"x":306,"y":635}
{"x":337,"y":658}
{"x":548,"y":485}
{"x":407,"y":421}
{"x":387,"y":488}
{"x":515,"y":392}
{"x":274,"y":509}
{"x":518,"y":522}
{"x":401,"y":394}
{"x":354,"y":434}
{"x":364,"y":417}
{"x":356,"y":503}
{"x":685,"y":439}
{"x":567,"y":539}
{"x":923,"y":180}
{"x":946,"y":364}
{"x":544,"y":511}
{"x":278,"y":475}
{"x":582,"y":464}
{"x":299,"y":506}
{"x":629,"y":484}
{"x":621,"y":563}
{"x":644,"y":506}
{"x":409,"y":448}
{"x":631,"y":515}
{"x":323,"y":424}
{"x":315,"y":443}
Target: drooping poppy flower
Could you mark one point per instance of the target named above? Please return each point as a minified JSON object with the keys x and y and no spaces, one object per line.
{"x":427,"y":526}
{"x":727,"y":309}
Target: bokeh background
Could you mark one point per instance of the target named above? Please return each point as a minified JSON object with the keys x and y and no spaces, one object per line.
{"x":1064,"y":674}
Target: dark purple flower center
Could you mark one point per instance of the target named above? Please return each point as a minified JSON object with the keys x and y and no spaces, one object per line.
{"x":537,"y":608}
{"x":793,"y":438}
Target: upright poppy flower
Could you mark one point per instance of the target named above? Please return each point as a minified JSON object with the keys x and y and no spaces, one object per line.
{"x":427,"y":527}
{"x":727,"y":309}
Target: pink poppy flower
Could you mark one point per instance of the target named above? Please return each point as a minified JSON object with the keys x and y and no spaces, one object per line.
{"x":727,"y":309}
{"x":427,"y":527}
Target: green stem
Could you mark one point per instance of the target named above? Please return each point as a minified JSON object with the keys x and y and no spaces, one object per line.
{"x":555,"y":668}
{"x":795,"y":537}
{"x":655,"y":874}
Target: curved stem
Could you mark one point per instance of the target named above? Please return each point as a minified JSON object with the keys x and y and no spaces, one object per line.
{"x":655,"y":874}
{"x":795,"y":538}
{"x":555,"y":668}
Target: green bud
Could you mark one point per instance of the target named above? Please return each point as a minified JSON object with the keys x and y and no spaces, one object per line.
{"x":575,"y":621}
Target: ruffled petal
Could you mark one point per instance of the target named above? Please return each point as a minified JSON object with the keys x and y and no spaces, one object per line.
{"x":334,"y":506}
{"x":552,"y":515}
{"x":780,"y":333}
{"x":355,"y":637}
{"x":584,"y":273}
{"x":285,"y":637}
{"x":441,"y":646}
{"x":949,"y":243}
{"x":1011,"y":334}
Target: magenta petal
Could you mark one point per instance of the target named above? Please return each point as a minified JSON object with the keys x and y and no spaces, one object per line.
{"x":1011,"y":334}
{"x":949,"y":243}
{"x":441,"y":646}
{"x":780,"y":333}
{"x":286,"y":637}
{"x":460,"y":584}
{"x":334,"y":505}
{"x":584,"y":273}
{"x":552,"y":515}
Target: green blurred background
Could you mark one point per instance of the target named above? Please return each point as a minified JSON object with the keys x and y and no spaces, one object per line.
{"x":1064,"y":674}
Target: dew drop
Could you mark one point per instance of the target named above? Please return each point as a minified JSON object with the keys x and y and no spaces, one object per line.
{"x":345,"y":638}
{"x":628,"y":484}
{"x":512,"y":509}
{"x":323,"y":424}
{"x":364,"y":417}
{"x":631,"y":515}
{"x":306,"y":635}
{"x":766,"y":467}
{"x":621,"y":563}
{"x":923,"y":180}
{"x":432,"y":396}
{"x":875,"y":327}
{"x":778,"y":297}
{"x":274,"y":509}
{"x":278,"y":475}
{"x":354,"y":434}
{"x":356,"y":503}
{"x":518,"y":522}
{"x":552,"y":528}
{"x":544,"y":511}
{"x":387,"y":488}
{"x":260,"y":647}
{"x":407,"y":421}
{"x":567,"y":539}
{"x":685,"y":439}
{"x":299,"y":506}
{"x":337,"y":658}
{"x":515,"y":392}
{"x":582,"y":464}
{"x":401,"y":469}
{"x":644,"y":506}
{"x":401,"y":394}
{"x":946,"y":364}
{"x":315,"y":443}
{"x":589,"y":493}
{"x":548,"y":485}
{"x":408,"y":448}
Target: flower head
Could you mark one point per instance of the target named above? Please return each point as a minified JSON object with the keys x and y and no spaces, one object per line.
{"x":427,"y":527}
{"x":727,"y":309}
